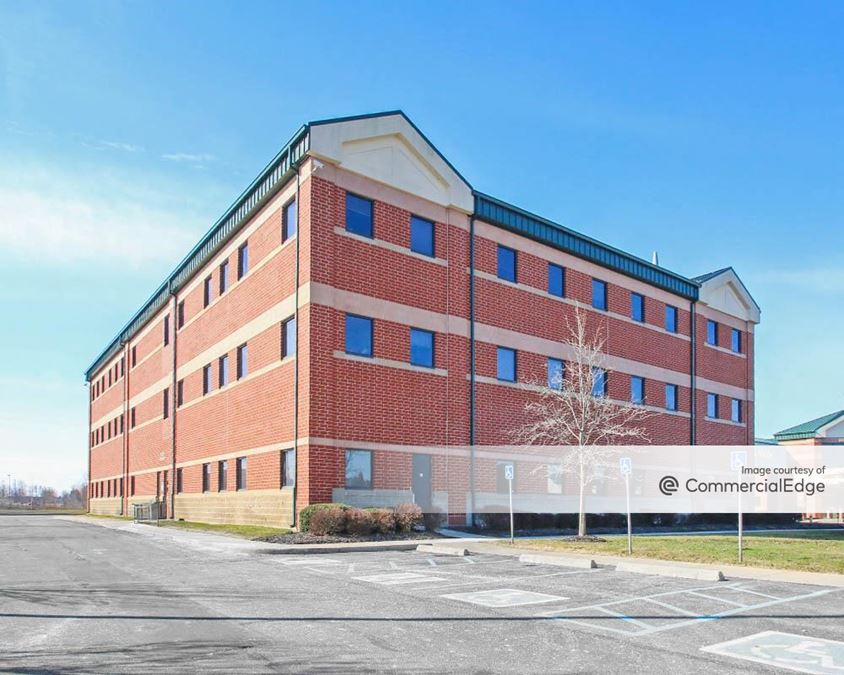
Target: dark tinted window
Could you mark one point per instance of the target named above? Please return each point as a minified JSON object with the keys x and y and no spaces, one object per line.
{"x":242,"y":260}
{"x":358,"y":469}
{"x":288,"y":468}
{"x":358,"y":335}
{"x":599,"y":294}
{"x":711,"y":332}
{"x":735,"y":340}
{"x":506,"y":263}
{"x":358,"y":215}
{"x":421,"y":347}
{"x":637,"y":307}
{"x":421,"y":236}
{"x":556,"y":280}
{"x":670,"y":319}
{"x":506,"y":364}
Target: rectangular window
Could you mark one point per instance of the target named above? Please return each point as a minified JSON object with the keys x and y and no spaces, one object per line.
{"x":599,"y":294}
{"x":166,"y":330}
{"x":165,"y":403}
{"x":109,"y":377}
{"x":108,"y":430}
{"x":556,"y":280}
{"x":421,"y":347}
{"x":288,"y":337}
{"x":599,"y":382}
{"x":206,"y":291}
{"x":556,"y":373}
{"x":206,"y":379}
{"x":735,"y":340}
{"x":421,"y":236}
{"x":206,"y":477}
{"x":180,"y":314}
{"x":358,"y":215}
{"x":735,"y":410}
{"x":240,"y":472}
{"x":637,"y":307}
{"x":132,"y":485}
{"x":288,"y":221}
{"x":637,"y":389}
{"x":121,"y":424}
{"x":670,"y":319}
{"x":122,"y":364}
{"x":711,"y":332}
{"x":224,"y":276}
{"x":132,"y":418}
{"x":180,"y":393}
{"x":506,"y":263}
{"x":358,"y":470}
{"x":134,"y":356}
{"x":671,"y":397}
{"x":242,"y":260}
{"x":288,"y":468}
{"x":223,"y":371}
{"x":712,"y":406}
{"x":179,"y":481}
{"x":222,"y":475}
{"x":358,"y":335}
{"x":242,"y":361}
{"x":506,"y":364}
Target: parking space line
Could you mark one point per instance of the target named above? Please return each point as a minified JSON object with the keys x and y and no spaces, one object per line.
{"x":764,"y":595}
{"x":672,"y":607}
{"x":477,"y":581}
{"x":623,"y":617}
{"x":712,"y":597}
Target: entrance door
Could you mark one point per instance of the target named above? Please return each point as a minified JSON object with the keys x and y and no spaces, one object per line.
{"x":422,"y":481}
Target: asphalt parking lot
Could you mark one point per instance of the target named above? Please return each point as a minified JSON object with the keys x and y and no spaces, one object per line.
{"x":78,"y":597}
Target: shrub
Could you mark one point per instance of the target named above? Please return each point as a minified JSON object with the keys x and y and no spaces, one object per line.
{"x":306,"y":514}
{"x":434,"y":520}
{"x":359,"y":522}
{"x":407,"y":516}
{"x":331,"y":520}
{"x":383,"y":520}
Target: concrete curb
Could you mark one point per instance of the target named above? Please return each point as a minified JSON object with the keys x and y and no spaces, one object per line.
{"x":438,"y":549}
{"x":362,"y":547}
{"x":676,"y":571}
{"x":562,"y":561}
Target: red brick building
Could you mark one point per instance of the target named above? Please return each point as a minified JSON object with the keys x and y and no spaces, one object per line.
{"x":317,"y":343}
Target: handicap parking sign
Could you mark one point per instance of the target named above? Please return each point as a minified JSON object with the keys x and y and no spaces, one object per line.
{"x":508,"y":471}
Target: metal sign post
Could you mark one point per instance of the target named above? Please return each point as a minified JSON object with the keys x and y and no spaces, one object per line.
{"x":738,"y":459}
{"x":626,"y":465}
{"x":508,"y":474}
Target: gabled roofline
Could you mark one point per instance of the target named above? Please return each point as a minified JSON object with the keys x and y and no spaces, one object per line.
{"x":536,"y":227}
{"x":809,"y":429}
{"x":702,"y":279}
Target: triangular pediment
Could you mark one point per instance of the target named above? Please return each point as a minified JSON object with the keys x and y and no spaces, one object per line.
{"x":390,"y":150}
{"x":726,"y":293}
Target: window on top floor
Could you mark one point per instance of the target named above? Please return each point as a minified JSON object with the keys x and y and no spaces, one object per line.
{"x":242,"y":260}
{"x":637,"y":307}
{"x":735,"y":340}
{"x":224,"y":276}
{"x":421,"y":236}
{"x":671,"y":319}
{"x":134,"y":356}
{"x":599,"y":294}
{"x":359,"y":215}
{"x":207,"y":291}
{"x":166,"y":330}
{"x":288,"y":220}
{"x":358,"y":335}
{"x":506,"y":263}
{"x":712,"y":406}
{"x":421,"y":347}
{"x":180,"y":315}
{"x":735,"y":410}
{"x":505,"y":366}
{"x":711,"y":332}
{"x":556,"y":280}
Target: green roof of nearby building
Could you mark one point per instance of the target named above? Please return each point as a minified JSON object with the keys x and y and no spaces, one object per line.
{"x":807,"y":429}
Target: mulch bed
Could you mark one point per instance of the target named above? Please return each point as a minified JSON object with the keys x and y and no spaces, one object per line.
{"x":308,"y":538}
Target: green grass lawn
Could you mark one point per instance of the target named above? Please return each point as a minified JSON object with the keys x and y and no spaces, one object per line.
{"x":244,"y":531}
{"x":803,"y":551}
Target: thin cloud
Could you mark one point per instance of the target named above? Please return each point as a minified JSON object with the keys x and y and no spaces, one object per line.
{"x":814,"y":279}
{"x":117,"y":145}
{"x":188,"y":158}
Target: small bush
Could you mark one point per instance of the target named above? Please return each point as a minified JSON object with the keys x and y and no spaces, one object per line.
{"x":434,"y":520}
{"x":407,"y":517}
{"x":308,"y":512}
{"x":383,"y":520}
{"x":359,"y":522}
{"x":330,"y":520}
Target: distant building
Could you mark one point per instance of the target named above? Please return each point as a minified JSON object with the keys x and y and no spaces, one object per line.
{"x":826,"y":430}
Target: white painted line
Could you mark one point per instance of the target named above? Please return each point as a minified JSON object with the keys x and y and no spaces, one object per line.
{"x":602,"y":626}
{"x":799,"y":653}
{"x":712,"y":597}
{"x":623,"y":617}
{"x":741,"y":589}
{"x":391,"y":579}
{"x":503,"y":597}
{"x":312,"y":560}
{"x":477,"y":581}
{"x":680,"y":610}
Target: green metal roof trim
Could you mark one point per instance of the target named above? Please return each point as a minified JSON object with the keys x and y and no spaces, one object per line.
{"x":807,"y":429}
{"x":528,"y":224}
{"x":268,"y":182}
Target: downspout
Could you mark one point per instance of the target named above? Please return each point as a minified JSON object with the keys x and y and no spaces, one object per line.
{"x":172,"y":404}
{"x":90,"y":449}
{"x":296,"y":358}
{"x":124,"y":506}
{"x":472,"y":369}
{"x":692,"y":371}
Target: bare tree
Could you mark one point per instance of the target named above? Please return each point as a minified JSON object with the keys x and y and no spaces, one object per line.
{"x":574,"y":410}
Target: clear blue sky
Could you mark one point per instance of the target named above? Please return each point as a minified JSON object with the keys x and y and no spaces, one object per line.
{"x":711,"y":132}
